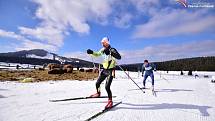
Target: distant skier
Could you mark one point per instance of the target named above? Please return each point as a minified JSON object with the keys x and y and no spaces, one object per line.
{"x":110,"y":55}
{"x":148,"y":68}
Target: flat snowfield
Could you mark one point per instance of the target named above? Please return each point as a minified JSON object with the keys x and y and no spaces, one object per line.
{"x":178,"y":98}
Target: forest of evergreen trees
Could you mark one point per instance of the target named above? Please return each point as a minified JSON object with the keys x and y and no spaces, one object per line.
{"x":192,"y":64}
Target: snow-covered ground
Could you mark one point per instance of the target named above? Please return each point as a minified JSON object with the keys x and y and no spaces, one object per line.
{"x":12,"y":66}
{"x":179,"y":98}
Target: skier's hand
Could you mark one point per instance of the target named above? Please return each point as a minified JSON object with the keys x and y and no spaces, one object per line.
{"x":155,"y":70}
{"x":142,"y":75}
{"x":89,"y":51}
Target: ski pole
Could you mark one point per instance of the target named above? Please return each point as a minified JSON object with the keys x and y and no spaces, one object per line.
{"x":130,"y":78}
{"x":94,"y":66}
{"x":163,"y":77}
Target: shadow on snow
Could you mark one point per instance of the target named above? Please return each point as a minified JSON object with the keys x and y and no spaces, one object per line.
{"x":167,"y":90}
{"x":202,"y":109}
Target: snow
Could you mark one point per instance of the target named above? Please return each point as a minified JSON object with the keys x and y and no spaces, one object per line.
{"x":12,"y":66}
{"x":213,"y":77}
{"x":48,"y":56}
{"x":179,"y":98}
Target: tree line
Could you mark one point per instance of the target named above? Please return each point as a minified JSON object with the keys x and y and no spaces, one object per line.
{"x":187,"y":64}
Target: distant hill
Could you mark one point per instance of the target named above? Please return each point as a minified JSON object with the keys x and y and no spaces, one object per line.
{"x":26,"y":53}
{"x":193,"y":64}
{"x":40,"y":57}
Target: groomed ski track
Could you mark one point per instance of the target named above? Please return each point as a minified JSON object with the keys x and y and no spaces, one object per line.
{"x":179,"y":98}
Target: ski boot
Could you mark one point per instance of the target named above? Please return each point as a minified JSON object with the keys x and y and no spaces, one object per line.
{"x":109,"y":104}
{"x":96,"y":94}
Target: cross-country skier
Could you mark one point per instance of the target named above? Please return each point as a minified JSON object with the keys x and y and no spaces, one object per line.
{"x":110,"y":55}
{"x":148,"y":68}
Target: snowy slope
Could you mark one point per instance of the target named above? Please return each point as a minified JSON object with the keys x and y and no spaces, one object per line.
{"x":179,"y":98}
{"x":48,"y":56}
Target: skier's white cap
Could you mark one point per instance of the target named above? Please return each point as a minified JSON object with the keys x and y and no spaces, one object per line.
{"x":105,"y":40}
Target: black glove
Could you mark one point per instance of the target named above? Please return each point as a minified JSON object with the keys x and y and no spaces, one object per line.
{"x":115,"y":54}
{"x":142,"y":75}
{"x":107,"y":51}
{"x":89,"y":51}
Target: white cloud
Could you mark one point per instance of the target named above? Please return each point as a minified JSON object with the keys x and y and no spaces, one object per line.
{"x":142,"y":5}
{"x":8,"y":34}
{"x":170,"y":51}
{"x":57,"y":18}
{"x":175,"y":22}
{"x":60,"y":16}
{"x":45,"y":34}
{"x":24,"y":43}
{"x":124,"y":11}
{"x":123,"y":21}
{"x":28,"y":45}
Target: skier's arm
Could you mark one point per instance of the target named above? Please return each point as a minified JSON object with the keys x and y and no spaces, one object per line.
{"x":115,"y":53}
{"x":96,"y":54}
{"x":152,"y":67}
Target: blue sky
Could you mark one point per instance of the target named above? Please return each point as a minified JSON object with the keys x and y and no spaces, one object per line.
{"x":140,"y":29}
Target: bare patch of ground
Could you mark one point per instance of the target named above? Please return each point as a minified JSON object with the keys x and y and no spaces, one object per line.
{"x":38,"y":75}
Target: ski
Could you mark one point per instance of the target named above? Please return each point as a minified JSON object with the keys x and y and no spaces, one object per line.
{"x":102,"y":112}
{"x":153,"y":91}
{"x":78,"y":98}
{"x":138,"y":89}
